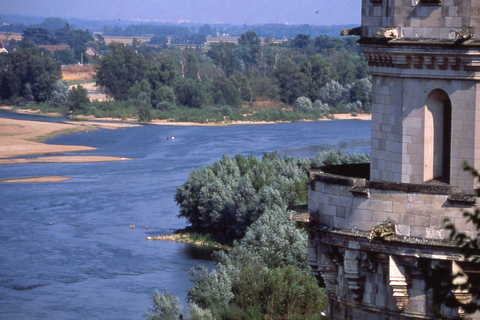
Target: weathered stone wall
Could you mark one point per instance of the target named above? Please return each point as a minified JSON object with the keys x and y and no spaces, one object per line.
{"x":338,"y":203}
{"x":403,"y":79}
{"x":419,"y":19}
{"x":378,"y":279}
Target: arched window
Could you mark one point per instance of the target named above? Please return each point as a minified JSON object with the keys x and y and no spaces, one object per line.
{"x":437,"y":137}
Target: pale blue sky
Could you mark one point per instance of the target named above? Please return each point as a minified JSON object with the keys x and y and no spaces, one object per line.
{"x":330,"y":12}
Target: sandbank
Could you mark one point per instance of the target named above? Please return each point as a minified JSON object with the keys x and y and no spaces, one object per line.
{"x":22,"y":139}
{"x":36,"y":179}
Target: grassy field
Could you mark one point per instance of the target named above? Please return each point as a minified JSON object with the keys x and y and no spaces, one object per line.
{"x":78,"y":73}
{"x":10,"y":35}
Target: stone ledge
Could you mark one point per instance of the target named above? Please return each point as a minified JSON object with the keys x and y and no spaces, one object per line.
{"x":462,"y":200}
{"x":360,"y":185}
{"x":412,"y":187}
{"x":394,"y":244}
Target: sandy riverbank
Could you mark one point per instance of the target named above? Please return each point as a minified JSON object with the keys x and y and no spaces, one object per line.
{"x":338,"y":116}
{"x":22,"y":139}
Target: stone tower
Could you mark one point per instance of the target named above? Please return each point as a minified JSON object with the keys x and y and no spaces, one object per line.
{"x":377,"y":232}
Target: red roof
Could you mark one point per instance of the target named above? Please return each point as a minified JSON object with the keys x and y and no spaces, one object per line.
{"x":52,"y":49}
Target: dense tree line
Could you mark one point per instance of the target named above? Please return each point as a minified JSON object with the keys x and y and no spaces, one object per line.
{"x":266,"y":273}
{"x":66,"y":35}
{"x":329,"y":72}
{"x":28,"y":73}
{"x":316,"y":76}
{"x":56,"y":31}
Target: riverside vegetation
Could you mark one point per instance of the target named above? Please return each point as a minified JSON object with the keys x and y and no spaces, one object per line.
{"x":244,"y":201}
{"x":252,"y":80}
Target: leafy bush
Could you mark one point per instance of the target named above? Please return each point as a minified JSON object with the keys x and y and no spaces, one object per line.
{"x":59,"y":95}
{"x":77,"y":98}
{"x":303,"y":104}
{"x":165,"y":307}
{"x":265,"y":275}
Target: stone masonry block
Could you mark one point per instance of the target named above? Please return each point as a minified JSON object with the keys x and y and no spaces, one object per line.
{"x":419,"y":232}
{"x":408,"y":219}
{"x":422,"y":220}
{"x":379,"y":216}
{"x":402,"y":229}
{"x":415,"y":208}
{"x":394,"y":217}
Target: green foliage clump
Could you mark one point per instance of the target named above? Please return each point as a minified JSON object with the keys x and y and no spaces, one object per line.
{"x":59,"y":95}
{"x":27,"y":72}
{"x":225,"y":198}
{"x":303,"y":104}
{"x":77,"y":98}
{"x":165,"y":307}
{"x":265,"y":275}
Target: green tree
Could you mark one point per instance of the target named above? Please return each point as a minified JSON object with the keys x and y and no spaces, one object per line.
{"x":191,"y":93}
{"x":158,"y":40}
{"x":164,"y":98}
{"x":223,"y":55}
{"x":102,"y":45}
{"x":197,"y":313}
{"x":64,"y":56}
{"x":59,"y":95}
{"x":77,"y":98}
{"x":319,"y":70}
{"x":165,"y":307}
{"x":291,"y":81}
{"x":53,"y":23}
{"x":333,"y":93}
{"x":206,"y":30}
{"x":227,"y":93}
{"x":144,"y":107}
{"x":191,"y":66}
{"x":118,"y":70}
{"x":38,"y":36}
{"x":161,"y":70}
{"x":301,"y":41}
{"x":28,"y":93}
{"x":361,"y":90}
{"x":249,"y":48}
{"x":265,"y":275}
{"x":346,"y":70}
{"x":303,"y":104}
{"x":28,"y":66}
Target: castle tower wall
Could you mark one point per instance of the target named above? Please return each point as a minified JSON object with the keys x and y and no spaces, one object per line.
{"x":420,"y":18}
{"x":377,"y":241}
{"x":399,"y":120}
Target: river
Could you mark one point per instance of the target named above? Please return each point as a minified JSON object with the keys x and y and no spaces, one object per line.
{"x":67,"y":250}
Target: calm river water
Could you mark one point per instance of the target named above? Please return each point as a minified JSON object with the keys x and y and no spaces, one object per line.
{"x":66,"y":249}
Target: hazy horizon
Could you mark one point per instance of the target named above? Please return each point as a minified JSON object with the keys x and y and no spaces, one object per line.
{"x":319,"y":12}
